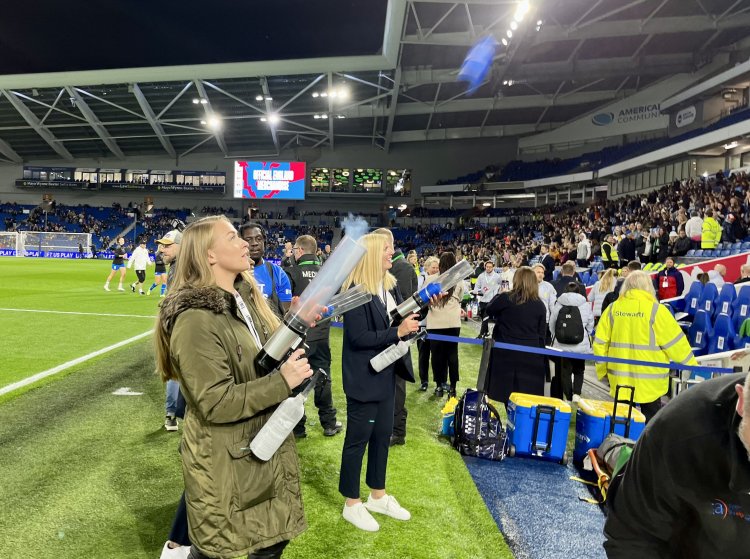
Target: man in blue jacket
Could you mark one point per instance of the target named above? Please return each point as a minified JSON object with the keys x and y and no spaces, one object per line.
{"x":685,"y":491}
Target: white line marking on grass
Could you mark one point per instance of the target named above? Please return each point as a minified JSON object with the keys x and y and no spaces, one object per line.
{"x":82,"y":313}
{"x":126,"y":391}
{"x":69,"y":364}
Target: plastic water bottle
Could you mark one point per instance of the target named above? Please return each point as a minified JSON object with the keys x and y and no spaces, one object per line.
{"x":394,"y":352}
{"x":282,"y":421}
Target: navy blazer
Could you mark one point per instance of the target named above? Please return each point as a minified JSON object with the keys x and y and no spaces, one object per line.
{"x":367,"y":333}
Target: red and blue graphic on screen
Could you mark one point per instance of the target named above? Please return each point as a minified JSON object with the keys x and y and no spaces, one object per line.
{"x":280,"y":180}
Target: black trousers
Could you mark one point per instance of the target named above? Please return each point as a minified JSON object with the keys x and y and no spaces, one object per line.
{"x":445,"y":357}
{"x":179,"y":532}
{"x":368,"y":425}
{"x":649,"y":409}
{"x":582,"y":263}
{"x":319,"y":356}
{"x":399,"y":408}
{"x":562,"y":384}
{"x":485,"y":326}
{"x":424,"y":360}
{"x":271,"y":552}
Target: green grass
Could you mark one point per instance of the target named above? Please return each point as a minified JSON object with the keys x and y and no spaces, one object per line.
{"x":89,"y":474}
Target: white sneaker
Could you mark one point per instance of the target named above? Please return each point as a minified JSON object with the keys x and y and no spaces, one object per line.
{"x":106,"y":287}
{"x":361,"y":518}
{"x":576,"y":398}
{"x":389,"y":506}
{"x":120,"y":288}
{"x":181,"y":552}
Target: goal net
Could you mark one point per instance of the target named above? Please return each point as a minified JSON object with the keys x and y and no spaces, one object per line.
{"x":10,"y":244}
{"x":55,"y":245}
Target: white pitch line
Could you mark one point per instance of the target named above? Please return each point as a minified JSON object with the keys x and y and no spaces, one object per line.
{"x":69,"y":364}
{"x":82,"y":313}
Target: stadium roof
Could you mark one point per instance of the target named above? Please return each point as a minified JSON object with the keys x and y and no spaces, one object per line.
{"x":121,"y":82}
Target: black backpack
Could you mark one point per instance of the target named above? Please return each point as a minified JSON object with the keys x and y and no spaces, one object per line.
{"x":569,"y":326}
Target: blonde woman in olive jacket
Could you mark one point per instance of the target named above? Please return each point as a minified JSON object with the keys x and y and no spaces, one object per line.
{"x":237,"y":504}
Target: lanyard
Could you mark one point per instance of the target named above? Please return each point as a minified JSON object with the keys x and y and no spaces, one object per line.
{"x":248,"y":319}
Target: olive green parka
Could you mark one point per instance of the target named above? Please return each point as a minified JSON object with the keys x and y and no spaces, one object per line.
{"x":236,"y":503}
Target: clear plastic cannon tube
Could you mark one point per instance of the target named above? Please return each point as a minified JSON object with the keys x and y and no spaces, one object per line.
{"x":346,"y":301}
{"x":443,"y":282}
{"x":313,"y":299}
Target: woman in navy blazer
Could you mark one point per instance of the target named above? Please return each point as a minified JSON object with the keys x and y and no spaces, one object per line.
{"x":370,"y":395}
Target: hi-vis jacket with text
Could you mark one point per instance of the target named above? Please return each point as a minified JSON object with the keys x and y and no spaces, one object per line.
{"x":637,"y":327}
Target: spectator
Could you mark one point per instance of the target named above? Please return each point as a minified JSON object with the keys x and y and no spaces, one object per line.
{"x":520,"y":318}
{"x":547,"y":261}
{"x":668,"y":283}
{"x":606,"y":284}
{"x":487,"y":286}
{"x":609,"y":253}
{"x":431,"y":268}
{"x":727,"y":230}
{"x":562,"y":387}
{"x":701,"y":441}
{"x":567,"y":276}
{"x":637,"y":327}
{"x":583,"y":252}
{"x":711,"y":231}
{"x":682,"y":245}
{"x":744,"y":274}
{"x":716,"y":276}
{"x":694,"y":229}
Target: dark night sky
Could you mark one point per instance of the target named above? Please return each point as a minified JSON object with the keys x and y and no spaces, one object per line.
{"x":47,"y":36}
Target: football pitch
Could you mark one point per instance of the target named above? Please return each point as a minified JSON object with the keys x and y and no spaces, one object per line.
{"x":89,"y":472}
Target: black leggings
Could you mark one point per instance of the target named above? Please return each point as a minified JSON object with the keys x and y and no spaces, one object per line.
{"x":272,"y":552}
{"x":445,"y":357}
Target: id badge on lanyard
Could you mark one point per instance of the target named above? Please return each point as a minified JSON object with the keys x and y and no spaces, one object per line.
{"x":248,"y":319}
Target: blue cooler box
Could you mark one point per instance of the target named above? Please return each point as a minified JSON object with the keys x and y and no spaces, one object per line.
{"x":593,"y":425}
{"x":538,"y":427}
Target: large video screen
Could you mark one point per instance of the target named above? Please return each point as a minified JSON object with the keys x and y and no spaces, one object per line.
{"x":277,"y":180}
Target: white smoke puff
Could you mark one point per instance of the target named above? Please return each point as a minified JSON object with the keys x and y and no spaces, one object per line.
{"x":354,"y":226}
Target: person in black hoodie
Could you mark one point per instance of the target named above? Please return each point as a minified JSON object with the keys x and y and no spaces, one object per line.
{"x":685,"y":492}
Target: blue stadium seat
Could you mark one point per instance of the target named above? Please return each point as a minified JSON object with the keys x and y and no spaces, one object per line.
{"x":745,"y":246}
{"x":698,"y":253}
{"x":690,"y":302}
{"x":723,"y":335}
{"x":741,"y":307}
{"x":708,"y":253}
{"x":727,"y":295}
{"x":736,"y":246}
{"x":700,"y":332}
{"x":724,"y":252}
{"x":735,"y":252}
{"x":690,"y":253}
{"x":709,"y":295}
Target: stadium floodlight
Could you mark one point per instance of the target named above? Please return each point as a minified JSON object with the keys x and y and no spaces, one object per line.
{"x":315,"y":94}
{"x":509,"y":33}
{"x":504,"y":41}
{"x":259,"y":97}
{"x":521,"y":11}
{"x":513,"y":25}
{"x":274,"y":119}
{"x":196,"y":101}
{"x":214,"y":122}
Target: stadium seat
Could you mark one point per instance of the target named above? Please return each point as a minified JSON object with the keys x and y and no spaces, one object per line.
{"x":698,"y":253}
{"x":723,"y":335}
{"x":671,"y":309}
{"x":708,"y":253}
{"x":700,"y":331}
{"x":724,"y":252}
{"x":745,"y":246}
{"x":736,"y":246}
{"x":709,"y":295}
{"x":690,"y":253}
{"x":741,"y":307}
{"x":735,"y":252}
{"x":727,"y":295}
{"x":689,"y":303}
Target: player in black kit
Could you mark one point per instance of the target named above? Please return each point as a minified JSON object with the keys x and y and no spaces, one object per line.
{"x":160,"y":274}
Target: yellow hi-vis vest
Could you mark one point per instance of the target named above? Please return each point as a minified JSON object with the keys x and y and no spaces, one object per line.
{"x":613,"y":256}
{"x":637,"y":327}
{"x":711,"y":233}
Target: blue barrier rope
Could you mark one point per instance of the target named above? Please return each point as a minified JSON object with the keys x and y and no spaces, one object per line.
{"x":570,"y":354}
{"x":586,"y":356}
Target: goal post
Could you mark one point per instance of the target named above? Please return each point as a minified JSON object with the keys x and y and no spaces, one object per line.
{"x":55,"y":245}
{"x":10,"y":244}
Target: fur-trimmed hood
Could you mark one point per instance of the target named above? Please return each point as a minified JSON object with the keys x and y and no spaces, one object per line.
{"x":210,"y":298}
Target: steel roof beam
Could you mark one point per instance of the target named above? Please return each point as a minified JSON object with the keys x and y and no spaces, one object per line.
{"x":217,"y":133}
{"x":151,"y":118}
{"x":392,"y":110}
{"x":9,"y":153}
{"x":36,"y":124}
{"x":269,"y":110}
{"x":94,"y":122}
